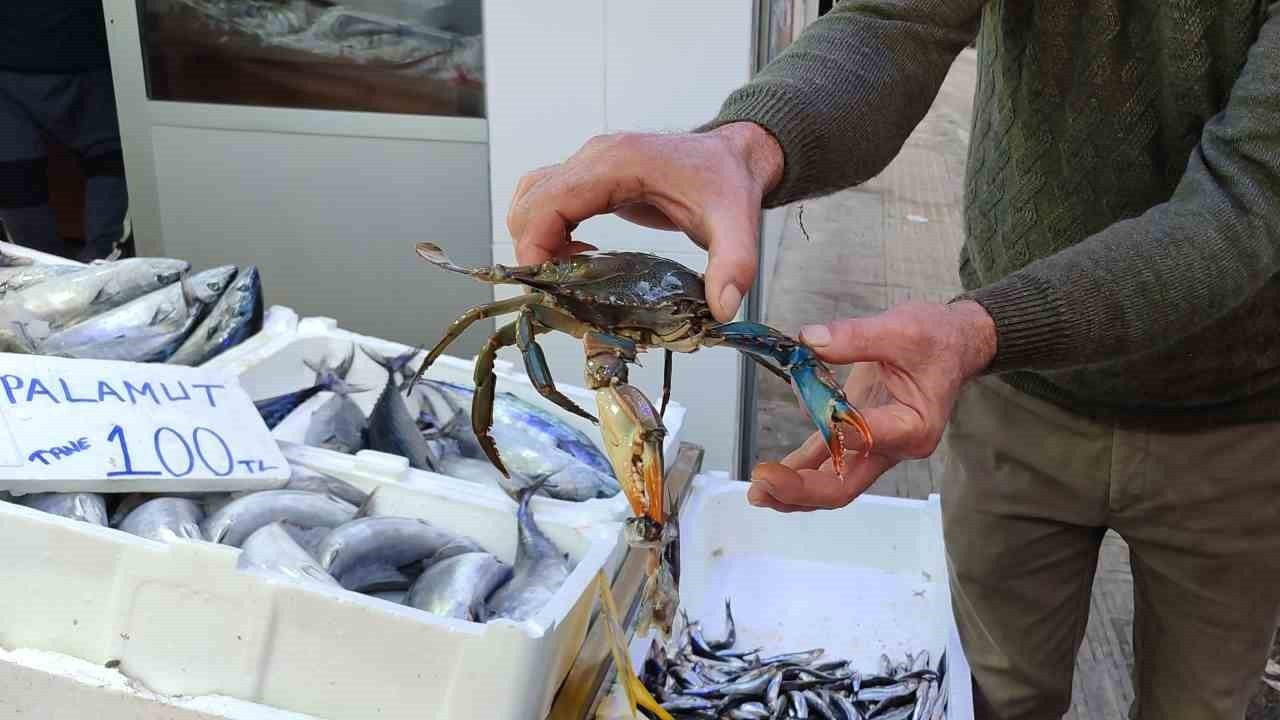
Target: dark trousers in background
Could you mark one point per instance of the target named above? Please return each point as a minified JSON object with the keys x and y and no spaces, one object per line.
{"x":78,"y":111}
{"x":1028,"y":493}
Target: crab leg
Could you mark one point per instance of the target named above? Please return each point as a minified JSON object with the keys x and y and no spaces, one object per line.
{"x":465,"y":320}
{"x":482,"y":402}
{"x":666,"y":382}
{"x":535,"y":364}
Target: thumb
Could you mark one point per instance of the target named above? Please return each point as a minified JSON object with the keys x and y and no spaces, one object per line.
{"x":731,"y":268}
{"x":873,"y":338}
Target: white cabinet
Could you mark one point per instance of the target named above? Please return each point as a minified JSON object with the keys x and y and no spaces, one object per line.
{"x":564,"y":70}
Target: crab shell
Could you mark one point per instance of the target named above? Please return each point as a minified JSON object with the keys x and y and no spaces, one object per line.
{"x":645,"y":298}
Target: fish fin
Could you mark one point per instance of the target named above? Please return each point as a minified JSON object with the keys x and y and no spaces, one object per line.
{"x":344,"y":367}
{"x":101,"y":296}
{"x":382,"y":361}
{"x":525,"y":494}
{"x":189,"y":298}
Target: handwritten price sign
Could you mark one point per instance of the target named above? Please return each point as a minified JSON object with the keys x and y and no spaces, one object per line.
{"x":94,"y":426}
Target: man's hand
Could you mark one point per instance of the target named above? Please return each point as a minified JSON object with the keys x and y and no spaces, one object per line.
{"x":710,"y":185}
{"x":913,"y":361}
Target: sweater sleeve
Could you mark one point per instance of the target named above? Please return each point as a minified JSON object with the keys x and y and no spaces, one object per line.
{"x":1156,"y":278}
{"x":844,"y":97}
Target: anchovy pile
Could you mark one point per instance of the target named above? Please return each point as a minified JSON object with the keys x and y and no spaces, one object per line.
{"x":429,"y":426}
{"x":136,"y":310}
{"x":707,"y":678}
{"x":315,"y":530}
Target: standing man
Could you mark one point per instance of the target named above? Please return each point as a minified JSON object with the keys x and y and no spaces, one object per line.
{"x":1115,"y":361}
{"x":55,"y":82}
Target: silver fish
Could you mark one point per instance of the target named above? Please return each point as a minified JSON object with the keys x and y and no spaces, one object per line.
{"x":85,"y":507}
{"x":924,"y":699}
{"x":146,"y":329}
{"x":846,"y":706}
{"x":938,"y":708}
{"x":900,"y":689}
{"x":64,"y":300}
{"x":126,"y":504}
{"x":7,"y":260}
{"x":233,"y":319}
{"x":900,"y":712}
{"x":534,"y":444}
{"x":17,"y":278}
{"x":165,"y":519}
{"x":238,"y":519}
{"x":749,"y":685}
{"x":308,"y":538}
{"x":379,"y":578}
{"x":393,"y":430}
{"x":397,"y":597}
{"x":540,"y":569}
{"x":819,"y":705}
{"x":799,"y":706}
{"x":339,"y":425}
{"x":457,"y":587}
{"x":271,"y":548}
{"x":381,"y":542}
{"x":749,"y":711}
{"x":685,"y":703}
{"x":316,"y":483}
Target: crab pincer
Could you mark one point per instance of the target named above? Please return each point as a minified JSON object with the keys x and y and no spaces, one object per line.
{"x":808,"y":376}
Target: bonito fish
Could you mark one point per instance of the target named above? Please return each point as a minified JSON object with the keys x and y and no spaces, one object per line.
{"x":165,"y":519}
{"x":535,"y":445}
{"x":65,"y":300}
{"x":457,"y":587}
{"x":236,"y":316}
{"x":240,"y":518}
{"x":85,"y":507}
{"x":540,"y":569}
{"x":273,"y":548}
{"x":147,"y":329}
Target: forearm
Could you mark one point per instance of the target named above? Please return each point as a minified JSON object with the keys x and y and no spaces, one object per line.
{"x":1154,"y":279}
{"x":844,"y":97}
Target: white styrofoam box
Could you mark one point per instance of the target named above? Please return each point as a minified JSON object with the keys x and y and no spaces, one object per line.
{"x":277,"y":367}
{"x":866,"y":579}
{"x":40,"y":684}
{"x":182,"y":619}
{"x":708,"y":382}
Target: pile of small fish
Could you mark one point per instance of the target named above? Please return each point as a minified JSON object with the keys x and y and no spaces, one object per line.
{"x":316,"y":530}
{"x":137,"y":309}
{"x":429,"y":426}
{"x":707,"y":678}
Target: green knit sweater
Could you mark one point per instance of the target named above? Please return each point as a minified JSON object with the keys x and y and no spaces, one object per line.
{"x":1123,"y":184}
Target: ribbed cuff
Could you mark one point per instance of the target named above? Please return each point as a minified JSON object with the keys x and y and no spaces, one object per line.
{"x":1032,"y":331}
{"x":784,"y":118}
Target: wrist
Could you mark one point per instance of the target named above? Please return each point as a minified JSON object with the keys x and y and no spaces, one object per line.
{"x":977,"y":333}
{"x":758,"y":150}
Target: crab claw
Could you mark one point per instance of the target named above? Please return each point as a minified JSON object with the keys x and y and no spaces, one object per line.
{"x":810,"y":378}
{"x":633,"y":433}
{"x":827,"y":406}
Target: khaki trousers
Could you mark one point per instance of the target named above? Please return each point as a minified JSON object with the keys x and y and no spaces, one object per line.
{"x":1028,"y":493}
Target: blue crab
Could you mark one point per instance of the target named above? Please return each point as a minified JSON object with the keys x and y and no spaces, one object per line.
{"x":620,"y":303}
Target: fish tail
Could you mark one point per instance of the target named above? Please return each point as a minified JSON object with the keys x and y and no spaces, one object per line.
{"x":525,"y":494}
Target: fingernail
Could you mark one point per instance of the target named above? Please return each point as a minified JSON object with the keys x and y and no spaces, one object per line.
{"x":730,"y":299}
{"x":816,"y":335}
